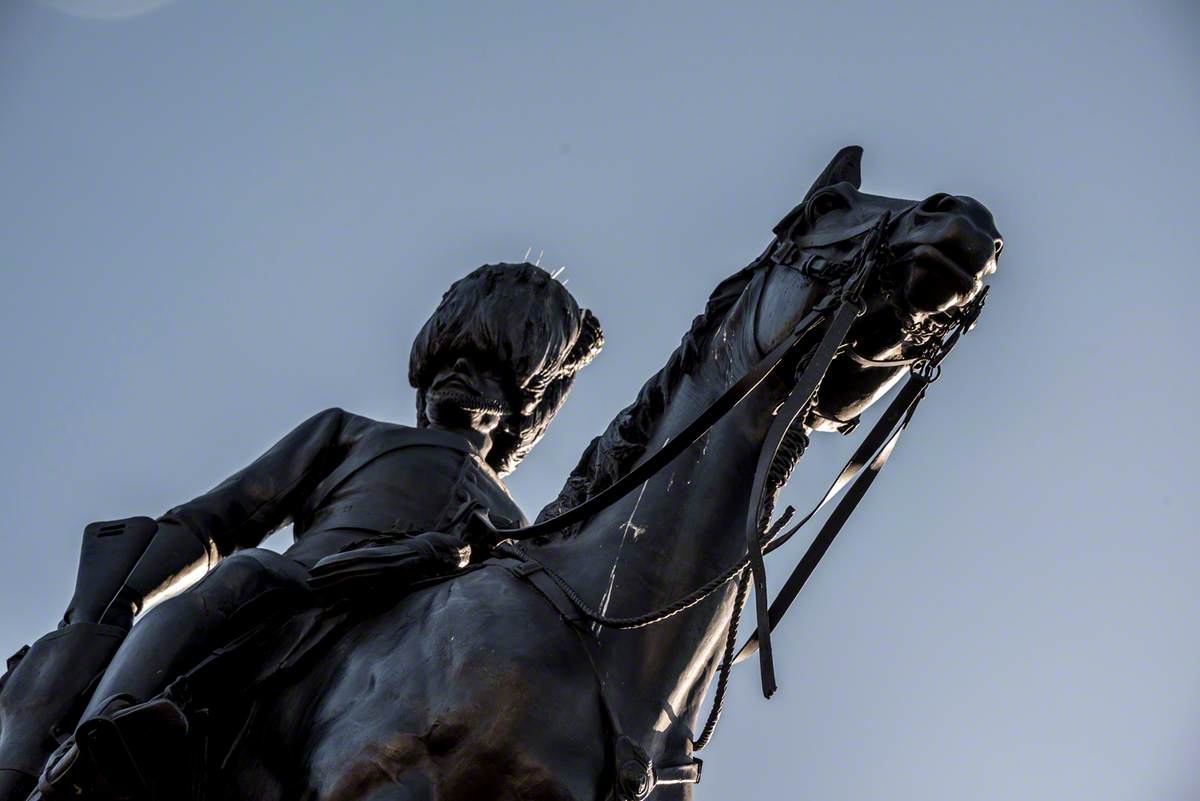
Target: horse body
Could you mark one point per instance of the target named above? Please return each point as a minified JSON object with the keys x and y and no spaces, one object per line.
{"x":467,"y":680}
{"x":475,"y":688}
{"x":448,"y":694}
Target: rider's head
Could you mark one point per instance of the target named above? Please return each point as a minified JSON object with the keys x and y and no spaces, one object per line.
{"x":499,"y":355}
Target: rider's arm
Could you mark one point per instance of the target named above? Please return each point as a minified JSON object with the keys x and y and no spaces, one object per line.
{"x":242,"y":510}
{"x":247,"y":507}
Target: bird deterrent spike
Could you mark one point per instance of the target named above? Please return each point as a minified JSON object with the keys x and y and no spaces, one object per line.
{"x":558,"y":272}
{"x":527,"y":252}
{"x":538,"y":263}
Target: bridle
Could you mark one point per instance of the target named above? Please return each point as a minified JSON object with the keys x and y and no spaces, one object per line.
{"x":876,"y":447}
{"x":858,"y":473}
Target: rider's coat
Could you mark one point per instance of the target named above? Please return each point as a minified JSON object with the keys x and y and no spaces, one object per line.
{"x":341,"y":479}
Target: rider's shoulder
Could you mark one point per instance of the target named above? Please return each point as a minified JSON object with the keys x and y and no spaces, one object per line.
{"x":346,"y":425}
{"x":355,"y":429}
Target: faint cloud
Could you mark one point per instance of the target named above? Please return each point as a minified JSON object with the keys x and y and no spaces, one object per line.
{"x":105,"y":9}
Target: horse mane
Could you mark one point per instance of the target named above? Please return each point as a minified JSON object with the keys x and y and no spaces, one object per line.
{"x":616,"y":450}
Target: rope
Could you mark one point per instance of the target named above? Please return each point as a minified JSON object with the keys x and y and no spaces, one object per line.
{"x":726,"y":666}
{"x":640,"y":621}
{"x":663,"y":612}
{"x":730,"y":653}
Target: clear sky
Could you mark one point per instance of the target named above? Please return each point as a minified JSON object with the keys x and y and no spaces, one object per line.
{"x":220,"y":217}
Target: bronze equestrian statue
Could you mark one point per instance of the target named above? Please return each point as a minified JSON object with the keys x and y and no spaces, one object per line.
{"x":571,"y":663}
{"x":492,"y":366}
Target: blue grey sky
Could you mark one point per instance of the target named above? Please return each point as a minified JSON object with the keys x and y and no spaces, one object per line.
{"x":220,"y":217}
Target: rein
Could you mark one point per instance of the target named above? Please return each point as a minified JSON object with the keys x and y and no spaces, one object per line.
{"x":668,"y":452}
{"x":794,"y":408}
{"x":859,"y":472}
{"x":851,"y":297}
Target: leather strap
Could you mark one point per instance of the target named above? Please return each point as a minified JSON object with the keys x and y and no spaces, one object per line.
{"x":535,"y":575}
{"x":865,"y":362}
{"x":862,"y":456}
{"x":688,"y":773}
{"x":826,"y":238}
{"x":793,"y":409}
{"x":673,"y":448}
{"x":795,"y":406}
{"x":854,"y":471}
{"x":876,"y":447}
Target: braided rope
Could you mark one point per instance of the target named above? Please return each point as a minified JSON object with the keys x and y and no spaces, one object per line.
{"x":639,"y":621}
{"x":663,"y":612}
{"x":674,"y":608}
{"x":726,"y":666}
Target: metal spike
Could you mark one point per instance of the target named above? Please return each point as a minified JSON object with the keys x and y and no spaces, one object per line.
{"x":558,"y":272}
{"x":527,"y":252}
{"x":538,"y":263}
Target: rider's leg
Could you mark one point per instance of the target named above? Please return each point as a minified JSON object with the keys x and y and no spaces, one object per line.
{"x":175,"y":635}
{"x":125,"y":744}
{"x":46,"y":685}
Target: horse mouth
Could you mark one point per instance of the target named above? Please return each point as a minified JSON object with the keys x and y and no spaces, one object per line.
{"x":935,"y":281}
{"x":936,"y":257}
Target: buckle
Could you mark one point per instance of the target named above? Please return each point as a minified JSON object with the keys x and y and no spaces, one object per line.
{"x":970,"y":314}
{"x":688,"y":773}
{"x":635,"y":771}
{"x":785,"y":252}
{"x":523,"y":569}
{"x":926,"y":369}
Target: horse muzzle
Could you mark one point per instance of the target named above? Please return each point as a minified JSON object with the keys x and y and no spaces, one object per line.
{"x":949,"y":246}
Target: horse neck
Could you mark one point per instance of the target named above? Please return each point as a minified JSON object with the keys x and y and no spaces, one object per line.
{"x":677,"y":531}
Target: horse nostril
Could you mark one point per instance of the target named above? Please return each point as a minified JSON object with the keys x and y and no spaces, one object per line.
{"x":940,"y":203}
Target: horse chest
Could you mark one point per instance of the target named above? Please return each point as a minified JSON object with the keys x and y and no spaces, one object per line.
{"x":475,"y":689}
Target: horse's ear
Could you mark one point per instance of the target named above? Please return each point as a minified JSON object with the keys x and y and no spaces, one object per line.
{"x":845,"y":166}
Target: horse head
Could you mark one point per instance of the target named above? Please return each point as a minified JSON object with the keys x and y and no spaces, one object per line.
{"x":932,"y":258}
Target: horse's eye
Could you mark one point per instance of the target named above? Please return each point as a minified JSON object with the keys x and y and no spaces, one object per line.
{"x":826,"y":202}
{"x":999,"y":247}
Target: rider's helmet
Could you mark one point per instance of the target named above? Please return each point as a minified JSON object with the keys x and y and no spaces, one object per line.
{"x":517,"y":316}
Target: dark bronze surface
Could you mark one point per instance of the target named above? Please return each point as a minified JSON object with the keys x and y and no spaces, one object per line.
{"x":408,"y":684}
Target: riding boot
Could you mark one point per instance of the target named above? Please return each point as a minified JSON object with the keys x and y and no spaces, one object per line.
{"x":128,"y":752}
{"x":176,"y":635}
{"x":42,"y":694}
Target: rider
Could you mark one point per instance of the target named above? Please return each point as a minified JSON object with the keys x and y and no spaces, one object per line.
{"x":491,"y":367}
